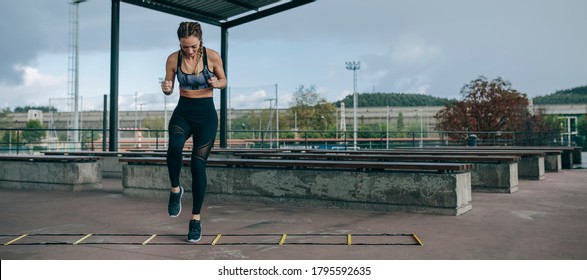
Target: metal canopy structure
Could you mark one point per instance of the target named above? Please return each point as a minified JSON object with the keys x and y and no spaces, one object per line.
{"x":222,"y":13}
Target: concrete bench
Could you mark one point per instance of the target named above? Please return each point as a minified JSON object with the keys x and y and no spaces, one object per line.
{"x":69,"y":173}
{"x":553,"y":163}
{"x":555,"y":158}
{"x":110,"y":164}
{"x":433,"y":188}
{"x":569,"y":155}
{"x":491,"y":173}
{"x":109,"y":161}
{"x":530,"y":166}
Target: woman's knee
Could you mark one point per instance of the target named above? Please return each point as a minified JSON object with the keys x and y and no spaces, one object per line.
{"x":175,"y":147}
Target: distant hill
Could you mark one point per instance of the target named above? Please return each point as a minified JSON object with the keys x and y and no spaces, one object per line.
{"x":394,"y":99}
{"x":576,"y":95}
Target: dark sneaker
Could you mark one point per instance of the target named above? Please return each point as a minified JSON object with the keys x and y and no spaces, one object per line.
{"x":195,"y":232}
{"x":174,"y":206}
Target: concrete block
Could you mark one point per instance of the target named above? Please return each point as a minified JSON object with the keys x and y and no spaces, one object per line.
{"x":430,"y":193}
{"x":111,"y":167}
{"x":51,"y":175}
{"x":552,"y":163}
{"x":531,"y":168}
{"x":498,"y":178}
{"x":577,"y":155}
{"x":568,"y":159}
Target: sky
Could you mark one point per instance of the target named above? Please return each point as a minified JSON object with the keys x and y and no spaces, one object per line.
{"x":428,"y":47}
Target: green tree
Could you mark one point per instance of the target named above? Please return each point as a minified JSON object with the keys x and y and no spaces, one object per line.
{"x":400,"y":122}
{"x":89,"y":136}
{"x":36,"y":132}
{"x":25,"y":109}
{"x":6,"y":118}
{"x":370,"y":131}
{"x":326,"y":113}
{"x":311,"y":112}
{"x":540,"y":122}
{"x":250,"y":125}
{"x":5,"y":122}
{"x":301,"y":108}
{"x":153,"y":123}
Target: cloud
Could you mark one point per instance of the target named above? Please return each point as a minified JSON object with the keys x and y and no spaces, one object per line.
{"x":32,"y":28}
{"x":411,"y":53}
{"x":35,"y":87}
{"x":250,"y":99}
{"x":426,"y":46}
{"x":34,"y":78}
{"x":415,"y":84}
{"x":29,"y":28}
{"x":408,"y":66}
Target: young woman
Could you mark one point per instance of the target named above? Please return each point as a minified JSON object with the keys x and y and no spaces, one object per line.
{"x":199,"y":71}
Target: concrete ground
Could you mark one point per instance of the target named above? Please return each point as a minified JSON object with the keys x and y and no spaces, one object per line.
{"x":545,"y":219}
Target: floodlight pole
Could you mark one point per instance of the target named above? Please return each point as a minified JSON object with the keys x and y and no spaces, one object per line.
{"x":354,"y":65}
{"x":75,"y":44}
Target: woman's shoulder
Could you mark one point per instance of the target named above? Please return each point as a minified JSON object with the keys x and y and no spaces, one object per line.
{"x":173,"y":55}
{"x":212,"y":53}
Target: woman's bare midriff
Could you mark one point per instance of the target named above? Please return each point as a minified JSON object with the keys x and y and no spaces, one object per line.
{"x":200,"y":93}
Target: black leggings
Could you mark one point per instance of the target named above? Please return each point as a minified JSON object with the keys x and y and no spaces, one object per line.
{"x":194,"y":117}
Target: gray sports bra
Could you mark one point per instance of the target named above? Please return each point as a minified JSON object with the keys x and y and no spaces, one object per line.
{"x":192,"y":81}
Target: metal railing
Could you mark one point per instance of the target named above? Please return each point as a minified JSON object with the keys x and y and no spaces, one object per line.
{"x":30,"y":141}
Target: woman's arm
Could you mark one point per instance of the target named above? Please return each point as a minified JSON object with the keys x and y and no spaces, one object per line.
{"x":215,"y":65}
{"x":170,"y":65}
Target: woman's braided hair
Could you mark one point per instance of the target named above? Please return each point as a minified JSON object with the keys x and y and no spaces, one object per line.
{"x":191,"y":28}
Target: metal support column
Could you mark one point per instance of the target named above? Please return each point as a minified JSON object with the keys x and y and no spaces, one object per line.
{"x":223,"y":92}
{"x":114,"y":53}
{"x":104,"y":122}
